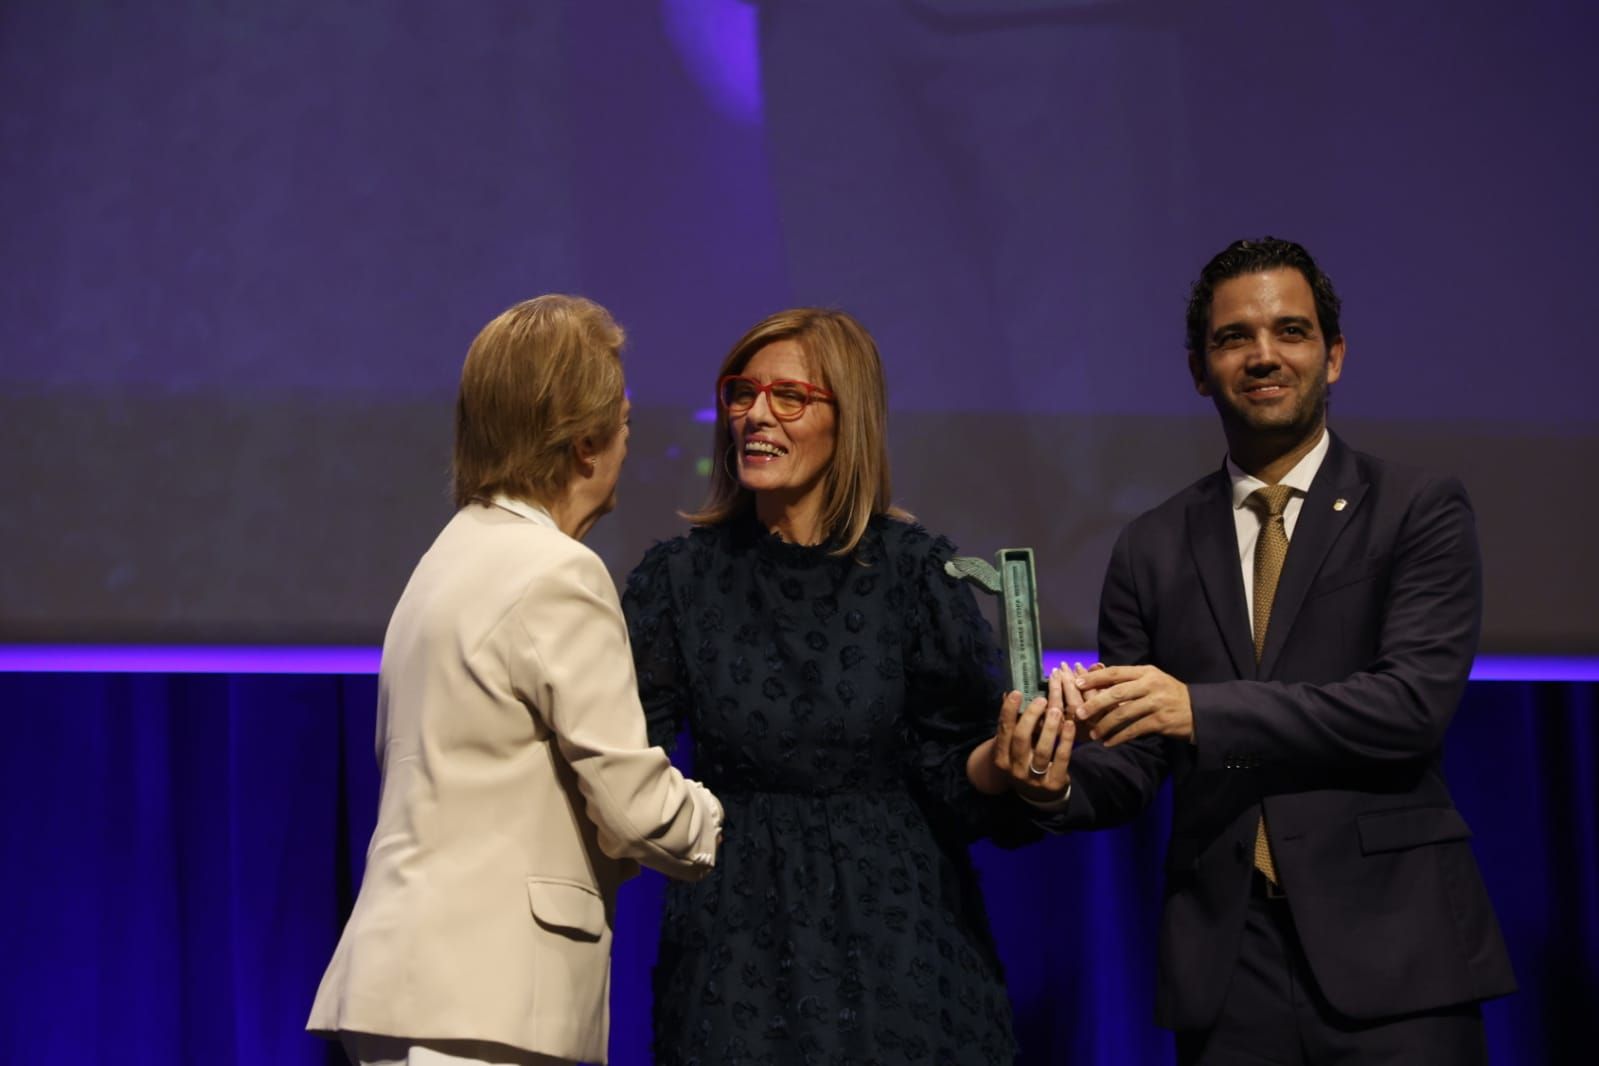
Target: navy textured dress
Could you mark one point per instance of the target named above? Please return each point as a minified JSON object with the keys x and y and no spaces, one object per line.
{"x":832,"y":702}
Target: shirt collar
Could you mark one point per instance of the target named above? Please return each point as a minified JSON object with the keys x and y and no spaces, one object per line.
{"x":531,"y":511}
{"x":1298,"y":479}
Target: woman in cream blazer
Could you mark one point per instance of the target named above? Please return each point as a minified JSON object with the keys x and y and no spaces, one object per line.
{"x":518,"y":788}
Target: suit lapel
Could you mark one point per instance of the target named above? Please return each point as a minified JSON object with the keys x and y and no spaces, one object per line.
{"x":1213,"y":541}
{"x":1315,"y":531}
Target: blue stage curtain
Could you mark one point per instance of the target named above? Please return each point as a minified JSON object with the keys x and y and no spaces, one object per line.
{"x":181,"y":850}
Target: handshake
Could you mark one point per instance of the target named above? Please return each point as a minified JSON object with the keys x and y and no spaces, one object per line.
{"x":1031,"y":751}
{"x":1032,"y":748}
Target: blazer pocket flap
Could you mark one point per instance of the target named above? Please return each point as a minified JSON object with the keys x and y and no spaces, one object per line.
{"x":567,"y":907}
{"x":1410,"y":828}
{"x":1354,"y":573}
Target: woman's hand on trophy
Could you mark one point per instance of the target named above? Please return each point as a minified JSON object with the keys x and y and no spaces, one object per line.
{"x":1033,"y":748}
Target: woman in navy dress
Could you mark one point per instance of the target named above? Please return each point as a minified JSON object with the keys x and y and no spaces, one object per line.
{"x":842,"y":693}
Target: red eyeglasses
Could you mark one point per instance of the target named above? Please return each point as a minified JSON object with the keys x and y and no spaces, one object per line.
{"x":786,"y":400}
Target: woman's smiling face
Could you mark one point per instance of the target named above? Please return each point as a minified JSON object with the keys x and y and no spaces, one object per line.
{"x":785,"y":460}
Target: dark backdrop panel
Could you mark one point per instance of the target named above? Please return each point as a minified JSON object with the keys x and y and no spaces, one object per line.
{"x":244,"y":248}
{"x":182,"y":851}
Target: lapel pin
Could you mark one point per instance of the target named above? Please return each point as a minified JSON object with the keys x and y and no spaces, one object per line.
{"x":1340,"y":503}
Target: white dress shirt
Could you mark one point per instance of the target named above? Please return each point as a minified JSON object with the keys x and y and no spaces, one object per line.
{"x":1248,"y":520}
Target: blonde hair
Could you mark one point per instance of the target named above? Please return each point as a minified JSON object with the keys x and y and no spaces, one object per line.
{"x":541,"y":377}
{"x":843,"y":359}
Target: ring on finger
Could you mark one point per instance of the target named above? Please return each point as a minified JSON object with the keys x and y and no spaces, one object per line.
{"x":1033,"y":769}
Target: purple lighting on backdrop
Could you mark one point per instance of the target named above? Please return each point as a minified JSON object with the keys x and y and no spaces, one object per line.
{"x":243,"y":659}
{"x":717,"y":43}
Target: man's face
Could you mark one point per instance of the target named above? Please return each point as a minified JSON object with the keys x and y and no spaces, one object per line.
{"x":1266,"y":365}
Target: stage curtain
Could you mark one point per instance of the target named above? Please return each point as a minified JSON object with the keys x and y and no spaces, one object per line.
{"x":180,"y":852}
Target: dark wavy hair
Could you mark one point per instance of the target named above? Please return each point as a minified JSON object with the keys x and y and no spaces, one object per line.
{"x":1252,"y":257}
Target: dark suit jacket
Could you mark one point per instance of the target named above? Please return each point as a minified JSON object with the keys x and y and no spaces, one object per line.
{"x":1338,"y":733}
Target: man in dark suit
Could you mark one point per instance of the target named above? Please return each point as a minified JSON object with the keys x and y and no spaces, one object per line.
{"x":1288,"y":639}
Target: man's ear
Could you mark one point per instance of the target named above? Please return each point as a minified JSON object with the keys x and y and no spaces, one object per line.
{"x":1335,"y":360}
{"x":1196,"y":369}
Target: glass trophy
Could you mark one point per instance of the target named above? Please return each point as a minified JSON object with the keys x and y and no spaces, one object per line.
{"x":1015,"y":582}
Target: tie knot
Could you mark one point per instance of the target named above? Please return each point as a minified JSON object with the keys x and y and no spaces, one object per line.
{"x":1272,"y":499}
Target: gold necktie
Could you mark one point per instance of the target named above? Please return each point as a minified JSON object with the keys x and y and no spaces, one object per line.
{"x":1271,"y":548}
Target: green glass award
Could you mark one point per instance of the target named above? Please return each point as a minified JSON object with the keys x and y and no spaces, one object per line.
{"x":1015,"y":582}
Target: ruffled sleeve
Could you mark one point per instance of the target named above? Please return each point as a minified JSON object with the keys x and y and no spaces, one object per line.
{"x":955,"y":687}
{"x":657,"y":658}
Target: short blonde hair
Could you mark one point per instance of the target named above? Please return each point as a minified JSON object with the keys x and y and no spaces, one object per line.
{"x":543,"y":376}
{"x":843,"y":359}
